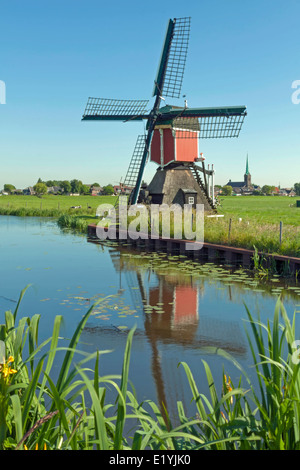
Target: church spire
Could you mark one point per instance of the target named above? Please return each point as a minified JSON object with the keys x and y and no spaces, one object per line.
{"x":247,"y":176}
{"x":247,"y":166}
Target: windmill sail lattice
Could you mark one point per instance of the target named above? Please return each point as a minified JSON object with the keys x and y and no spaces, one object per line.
{"x":105,"y":109}
{"x":210,"y":127}
{"x":173,"y":58}
{"x":135,"y":162}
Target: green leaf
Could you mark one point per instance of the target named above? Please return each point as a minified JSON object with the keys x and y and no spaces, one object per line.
{"x":121,"y":412}
{"x":17,"y":415}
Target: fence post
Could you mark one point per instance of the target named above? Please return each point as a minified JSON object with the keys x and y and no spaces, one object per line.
{"x":280,"y":232}
{"x":229,"y":231}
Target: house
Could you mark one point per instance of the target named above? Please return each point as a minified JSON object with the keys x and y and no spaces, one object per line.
{"x":288,"y":192}
{"x":217,"y":190}
{"x":54,"y":190}
{"x":96,"y":190}
{"x":29,"y":191}
{"x":17,"y":191}
{"x":276,"y":191}
{"x":282,"y":192}
{"x":237,"y":191}
{"x":123,"y":189}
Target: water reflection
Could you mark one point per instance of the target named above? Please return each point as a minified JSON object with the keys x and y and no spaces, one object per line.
{"x":187,"y":307}
{"x":178,"y":306}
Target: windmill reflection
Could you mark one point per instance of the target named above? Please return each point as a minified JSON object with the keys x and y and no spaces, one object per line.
{"x":172,"y":316}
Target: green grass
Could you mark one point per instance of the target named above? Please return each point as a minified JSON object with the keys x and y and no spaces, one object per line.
{"x":259,"y":209}
{"x":262,"y":209}
{"x":51,"y":205}
{"x":249,"y":234}
{"x":259,"y":225}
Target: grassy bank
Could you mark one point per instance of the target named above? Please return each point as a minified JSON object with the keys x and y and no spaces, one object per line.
{"x":52,"y":206}
{"x":247,"y":222}
{"x":247,"y":234}
{"x":255,"y":221}
{"x":39,"y":412}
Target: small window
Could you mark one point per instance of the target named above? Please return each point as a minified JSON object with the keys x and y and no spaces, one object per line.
{"x":191,"y":200}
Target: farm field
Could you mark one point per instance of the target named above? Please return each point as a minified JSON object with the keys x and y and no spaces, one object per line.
{"x":52,"y":203}
{"x":262,"y":209}
{"x":255,"y":220}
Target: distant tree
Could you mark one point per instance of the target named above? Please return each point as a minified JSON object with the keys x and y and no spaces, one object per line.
{"x":66,"y":186}
{"x":8,"y":188}
{"x":108,"y":190}
{"x":267,"y":189}
{"x":226,"y":190}
{"x":85,"y":189}
{"x":40,"y":189}
{"x":50,"y":183}
{"x":76,"y":186}
{"x":297,"y":188}
{"x":96,"y":184}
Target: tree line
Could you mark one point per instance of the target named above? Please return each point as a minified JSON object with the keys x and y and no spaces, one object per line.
{"x":65,"y":187}
{"x":266,"y":190}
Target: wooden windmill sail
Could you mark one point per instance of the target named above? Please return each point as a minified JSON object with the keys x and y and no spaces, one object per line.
{"x":172,"y":133}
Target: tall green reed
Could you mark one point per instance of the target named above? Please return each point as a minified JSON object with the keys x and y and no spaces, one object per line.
{"x":71,"y":413}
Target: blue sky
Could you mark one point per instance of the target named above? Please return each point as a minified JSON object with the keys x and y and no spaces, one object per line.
{"x":55,"y":54}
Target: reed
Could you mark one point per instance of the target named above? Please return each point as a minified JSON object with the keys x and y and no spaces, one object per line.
{"x":38,"y":412}
{"x":74,"y":222}
{"x":30,"y":211}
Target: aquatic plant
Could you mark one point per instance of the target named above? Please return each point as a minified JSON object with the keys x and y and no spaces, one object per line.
{"x":74,"y":222}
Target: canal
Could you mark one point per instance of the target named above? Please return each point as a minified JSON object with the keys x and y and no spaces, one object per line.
{"x":179,"y":307}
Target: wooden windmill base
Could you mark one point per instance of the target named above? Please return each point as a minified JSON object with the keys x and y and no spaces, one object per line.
{"x":177,"y":184}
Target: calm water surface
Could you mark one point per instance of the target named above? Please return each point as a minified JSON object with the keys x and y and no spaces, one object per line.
{"x":178,"y":308}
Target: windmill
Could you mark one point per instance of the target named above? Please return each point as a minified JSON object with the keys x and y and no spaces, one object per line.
{"x":172,"y":132}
